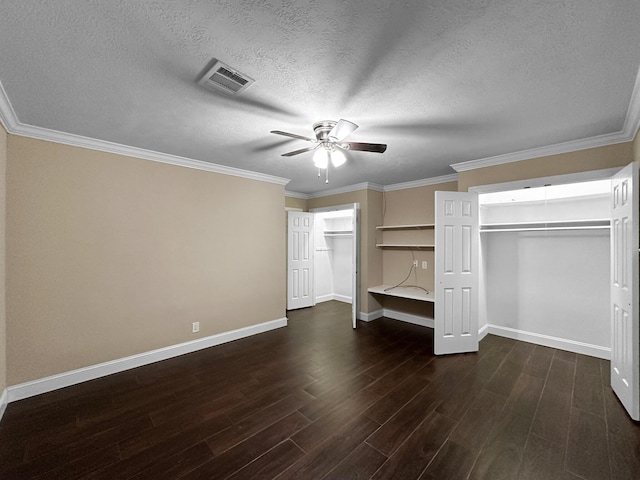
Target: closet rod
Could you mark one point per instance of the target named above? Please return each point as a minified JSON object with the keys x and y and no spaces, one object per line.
{"x":543,"y":229}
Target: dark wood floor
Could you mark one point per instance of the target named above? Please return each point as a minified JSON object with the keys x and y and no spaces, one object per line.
{"x":320,"y":400}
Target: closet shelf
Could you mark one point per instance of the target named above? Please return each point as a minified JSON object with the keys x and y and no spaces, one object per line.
{"x":404,"y":245}
{"x":546,"y":226}
{"x":417,"y":226}
{"x":338,"y":233}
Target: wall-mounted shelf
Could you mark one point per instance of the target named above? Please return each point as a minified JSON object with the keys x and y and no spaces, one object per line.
{"x":417,"y":226}
{"x":597,"y":224}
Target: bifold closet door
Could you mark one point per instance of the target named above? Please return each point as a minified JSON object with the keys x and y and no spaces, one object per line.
{"x":625,"y":331}
{"x":355,"y":259}
{"x":456,"y":273}
{"x":299,"y":260}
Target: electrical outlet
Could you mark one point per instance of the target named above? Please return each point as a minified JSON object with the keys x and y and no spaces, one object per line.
{"x":415,"y":263}
{"x":424,"y":265}
{"x":195,"y":327}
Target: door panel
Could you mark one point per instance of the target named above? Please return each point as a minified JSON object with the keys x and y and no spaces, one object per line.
{"x":300,"y":260}
{"x":456,"y":255}
{"x":355,"y":293}
{"x":625,"y":332}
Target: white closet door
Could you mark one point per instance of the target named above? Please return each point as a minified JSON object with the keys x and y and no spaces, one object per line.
{"x":355,"y":258}
{"x":456,"y":273}
{"x":625,"y":334}
{"x":300,"y":260}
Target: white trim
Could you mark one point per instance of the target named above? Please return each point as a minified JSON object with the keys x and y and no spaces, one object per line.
{"x":483,"y":331}
{"x":422,"y":183}
{"x":632,"y":120}
{"x":553,"y":342}
{"x":15,"y":127}
{"x":567,"y":178}
{"x":4,"y":401}
{"x":333,"y":296}
{"x":342,"y":298}
{"x":335,"y":208}
{"x":370,"y":317}
{"x":8,"y":115}
{"x":421,"y":320}
{"x":347,"y":189}
{"x":566,"y":147}
{"x":65,"y":379}
{"x":302,"y":196}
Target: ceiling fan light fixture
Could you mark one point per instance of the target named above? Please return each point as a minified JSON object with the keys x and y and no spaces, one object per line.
{"x":337,"y":157}
{"x":321,"y":158}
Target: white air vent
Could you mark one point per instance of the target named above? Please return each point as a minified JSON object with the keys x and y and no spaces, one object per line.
{"x":223,"y":78}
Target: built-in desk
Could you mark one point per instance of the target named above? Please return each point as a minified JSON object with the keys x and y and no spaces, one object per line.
{"x":412,"y":293}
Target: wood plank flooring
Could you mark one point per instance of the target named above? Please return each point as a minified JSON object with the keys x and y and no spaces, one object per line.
{"x":318,"y":400}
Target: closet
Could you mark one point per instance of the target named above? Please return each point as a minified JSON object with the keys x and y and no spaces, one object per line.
{"x":334,"y":255}
{"x":559,"y":266}
{"x":322,"y":257}
{"x":546,"y":265}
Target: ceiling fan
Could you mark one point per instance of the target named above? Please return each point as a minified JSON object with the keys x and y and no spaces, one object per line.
{"x":328,"y":144}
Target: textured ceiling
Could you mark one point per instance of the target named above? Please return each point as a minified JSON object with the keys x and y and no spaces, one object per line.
{"x":439,"y":81}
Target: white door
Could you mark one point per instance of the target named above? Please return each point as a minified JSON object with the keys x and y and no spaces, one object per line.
{"x":300,"y":260}
{"x":355,"y":258}
{"x":456,"y":273}
{"x":625,"y":333}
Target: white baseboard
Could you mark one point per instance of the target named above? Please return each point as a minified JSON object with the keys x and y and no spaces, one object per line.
{"x":341,"y":298}
{"x":65,"y":379}
{"x":554,"y":342}
{"x":4,"y":400}
{"x":483,"y":331}
{"x":409,"y":318}
{"x":370,"y":317}
{"x":333,"y":296}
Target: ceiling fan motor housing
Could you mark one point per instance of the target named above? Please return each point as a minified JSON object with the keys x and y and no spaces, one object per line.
{"x":322,"y":129}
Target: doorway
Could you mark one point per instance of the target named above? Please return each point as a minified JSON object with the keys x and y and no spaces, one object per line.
{"x":322,"y":257}
{"x":563,"y":273}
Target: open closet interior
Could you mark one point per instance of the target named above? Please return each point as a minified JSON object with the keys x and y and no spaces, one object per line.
{"x":334,"y":255}
{"x":545,"y":256}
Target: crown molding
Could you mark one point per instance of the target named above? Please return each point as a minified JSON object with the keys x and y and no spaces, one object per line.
{"x":632,"y":121}
{"x":349,"y":188}
{"x":627,"y":134}
{"x":566,"y":147}
{"x":8,"y":115}
{"x":422,"y":183}
{"x":15,"y":127}
{"x":302,"y":196}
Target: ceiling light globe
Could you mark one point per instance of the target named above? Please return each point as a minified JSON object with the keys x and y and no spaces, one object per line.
{"x":337,"y":158}
{"x":321,"y":158}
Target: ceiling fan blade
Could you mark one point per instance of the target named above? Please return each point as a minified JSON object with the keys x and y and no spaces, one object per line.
{"x":302,"y":150}
{"x":293,"y":135}
{"x":367,"y":147}
{"x":342,"y":129}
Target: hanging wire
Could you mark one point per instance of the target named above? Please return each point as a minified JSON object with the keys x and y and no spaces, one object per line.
{"x":413,"y":265}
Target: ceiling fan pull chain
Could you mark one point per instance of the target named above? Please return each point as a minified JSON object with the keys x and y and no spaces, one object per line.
{"x":327,"y":177}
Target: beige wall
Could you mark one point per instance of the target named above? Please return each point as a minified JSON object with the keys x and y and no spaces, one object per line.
{"x":110,"y":256}
{"x":581,"y":161}
{"x":3,"y":317}
{"x":407,"y":207}
{"x":370,"y":257}
{"x":636,"y":147}
{"x":301,"y":203}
